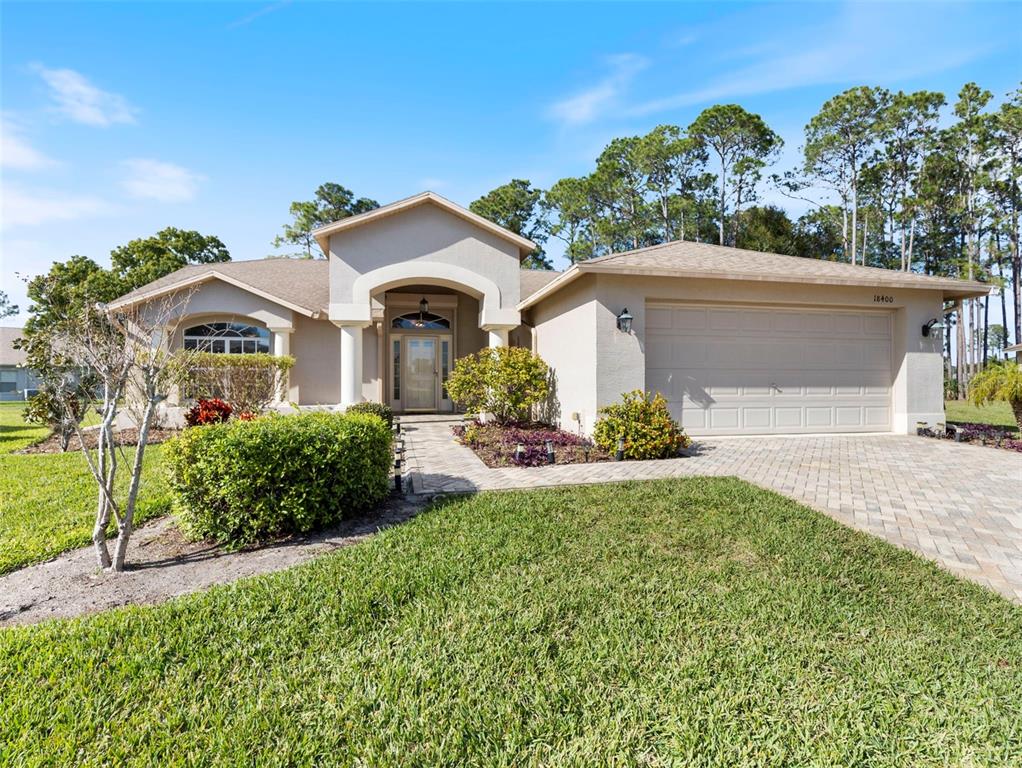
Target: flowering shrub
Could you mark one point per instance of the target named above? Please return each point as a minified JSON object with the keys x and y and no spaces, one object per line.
{"x":645,"y":425}
{"x":504,"y":381}
{"x":213,"y":411}
{"x":988,"y":434}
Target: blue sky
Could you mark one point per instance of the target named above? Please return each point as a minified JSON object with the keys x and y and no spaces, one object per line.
{"x":120,"y":119}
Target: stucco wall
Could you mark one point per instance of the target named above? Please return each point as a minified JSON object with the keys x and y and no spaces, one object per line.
{"x":424,"y":233}
{"x":916,"y":364}
{"x":316,"y":347}
{"x":564,"y":335}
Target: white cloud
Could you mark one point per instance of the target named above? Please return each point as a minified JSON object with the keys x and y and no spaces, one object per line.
{"x":21,"y":207}
{"x":157,"y":180}
{"x":79,"y":100}
{"x":16,"y":152}
{"x":587,"y":105}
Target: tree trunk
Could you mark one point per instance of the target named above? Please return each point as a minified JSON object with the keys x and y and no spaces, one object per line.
{"x":723,"y":198}
{"x":855,"y":217}
{"x":960,"y":344}
{"x":102,"y":507}
{"x":126,"y":523}
{"x":986,"y":329}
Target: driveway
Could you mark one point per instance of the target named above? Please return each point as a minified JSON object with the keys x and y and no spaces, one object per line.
{"x":959,"y":505}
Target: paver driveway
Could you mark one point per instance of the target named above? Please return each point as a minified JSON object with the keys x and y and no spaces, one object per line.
{"x":959,"y":505}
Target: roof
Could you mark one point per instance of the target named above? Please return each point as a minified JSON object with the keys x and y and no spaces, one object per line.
{"x":534,"y":279}
{"x":299,"y":284}
{"x":322,"y":234}
{"x":682,"y":258}
{"x":8,"y":354}
{"x":1014,"y":348}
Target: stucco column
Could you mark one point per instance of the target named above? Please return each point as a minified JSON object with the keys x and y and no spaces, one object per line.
{"x":351,"y":364}
{"x":282,"y":347}
{"x":498,"y":335}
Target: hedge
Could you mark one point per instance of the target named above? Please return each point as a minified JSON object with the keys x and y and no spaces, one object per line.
{"x":245,"y":481}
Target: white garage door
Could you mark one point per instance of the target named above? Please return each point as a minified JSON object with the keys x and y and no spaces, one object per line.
{"x":751,"y":370}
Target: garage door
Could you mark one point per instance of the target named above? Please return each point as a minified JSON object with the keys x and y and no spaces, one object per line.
{"x":751,"y":370}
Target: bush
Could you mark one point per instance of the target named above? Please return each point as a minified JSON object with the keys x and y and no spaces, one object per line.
{"x":248,"y":382}
{"x":61,"y":413}
{"x":503,"y":381}
{"x":385,"y":412}
{"x":243,"y":481}
{"x":645,"y":424}
{"x":214,"y":411}
{"x":999,"y":381}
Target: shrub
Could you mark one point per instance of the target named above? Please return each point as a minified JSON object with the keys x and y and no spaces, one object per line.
{"x":999,"y":381}
{"x":503,"y":381}
{"x":248,"y":382}
{"x":646,"y":425}
{"x":214,"y":411}
{"x":243,"y":481}
{"x":385,"y":412}
{"x":61,"y":413}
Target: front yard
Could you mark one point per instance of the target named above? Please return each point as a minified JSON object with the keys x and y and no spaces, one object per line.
{"x":997,"y":414}
{"x":702,"y":621}
{"x":48,"y":501}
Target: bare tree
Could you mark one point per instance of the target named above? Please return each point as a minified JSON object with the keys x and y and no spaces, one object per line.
{"x":128,"y":353}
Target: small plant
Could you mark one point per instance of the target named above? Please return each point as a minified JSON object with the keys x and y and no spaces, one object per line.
{"x":644,"y":424}
{"x":213,"y":411}
{"x":999,"y":381}
{"x":249,"y":382}
{"x":385,"y":412}
{"x":62,"y":414}
{"x":504,"y":381}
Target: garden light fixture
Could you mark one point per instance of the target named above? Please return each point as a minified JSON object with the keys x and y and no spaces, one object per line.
{"x":550,"y":452}
{"x":620,"y":454}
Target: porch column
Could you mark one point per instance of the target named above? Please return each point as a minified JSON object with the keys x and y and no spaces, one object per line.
{"x":351,"y":364}
{"x":282,"y":347}
{"x":498,"y":335}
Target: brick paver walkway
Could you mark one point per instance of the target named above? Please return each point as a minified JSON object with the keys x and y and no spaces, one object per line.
{"x":959,"y":505}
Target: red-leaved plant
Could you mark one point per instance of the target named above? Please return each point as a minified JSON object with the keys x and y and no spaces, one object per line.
{"x":214,"y":411}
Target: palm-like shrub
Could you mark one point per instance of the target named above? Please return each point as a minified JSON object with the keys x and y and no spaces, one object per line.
{"x":503,"y":381}
{"x":999,"y":381}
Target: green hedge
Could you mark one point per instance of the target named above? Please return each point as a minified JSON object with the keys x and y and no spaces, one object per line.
{"x":243,"y":481}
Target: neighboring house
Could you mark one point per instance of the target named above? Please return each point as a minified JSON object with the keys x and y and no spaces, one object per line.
{"x":15,"y":380}
{"x":1017,"y":349}
{"x":740,"y":342}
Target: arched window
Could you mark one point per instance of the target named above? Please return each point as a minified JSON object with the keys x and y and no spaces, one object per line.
{"x":426,"y":320}
{"x":227,"y":338}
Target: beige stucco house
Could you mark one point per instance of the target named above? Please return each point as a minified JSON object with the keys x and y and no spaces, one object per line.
{"x":740,"y":342}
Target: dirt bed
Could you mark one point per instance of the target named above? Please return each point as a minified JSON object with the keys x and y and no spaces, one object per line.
{"x":163,"y":564}
{"x":126,"y":437}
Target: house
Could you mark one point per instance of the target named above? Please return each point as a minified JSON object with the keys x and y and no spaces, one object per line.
{"x":740,"y":342}
{"x":15,"y":379}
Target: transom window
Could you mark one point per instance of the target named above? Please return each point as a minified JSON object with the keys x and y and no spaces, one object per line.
{"x":227,"y":338}
{"x":416,"y":320}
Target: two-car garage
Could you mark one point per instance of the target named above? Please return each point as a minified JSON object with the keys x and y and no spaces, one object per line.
{"x":756,"y":369}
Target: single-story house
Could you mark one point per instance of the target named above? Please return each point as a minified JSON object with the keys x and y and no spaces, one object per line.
{"x":739,"y":342}
{"x":15,"y":379}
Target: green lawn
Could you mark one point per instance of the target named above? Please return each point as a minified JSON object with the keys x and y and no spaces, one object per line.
{"x":999,"y":414}
{"x":697,"y":622}
{"x":48,"y":501}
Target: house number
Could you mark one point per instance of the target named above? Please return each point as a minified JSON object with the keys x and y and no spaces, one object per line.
{"x":879,"y":298}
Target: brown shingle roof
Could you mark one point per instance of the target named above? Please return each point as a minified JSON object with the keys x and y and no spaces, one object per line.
{"x":534,"y":279}
{"x":302,"y":283}
{"x":8,"y":354}
{"x":702,"y":260}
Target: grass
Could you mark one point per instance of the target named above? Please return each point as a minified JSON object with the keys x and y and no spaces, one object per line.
{"x":998,"y":414}
{"x":48,"y":501}
{"x":697,"y":622}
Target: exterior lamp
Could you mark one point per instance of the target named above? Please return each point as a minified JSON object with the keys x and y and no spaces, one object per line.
{"x":550,"y":452}
{"x":929,"y":326}
{"x":423,"y":309}
{"x":519,"y":453}
{"x":624,"y":321}
{"x":619,"y":455}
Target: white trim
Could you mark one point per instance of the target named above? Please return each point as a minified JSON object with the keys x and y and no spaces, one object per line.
{"x":322,"y":234}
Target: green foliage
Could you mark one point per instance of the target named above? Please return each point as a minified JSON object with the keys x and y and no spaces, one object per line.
{"x":244,"y":481}
{"x":516,"y":207}
{"x":332,"y":202}
{"x":382,"y":410}
{"x":999,"y":381}
{"x":7,"y":309}
{"x":644,"y":423}
{"x":701,"y":621}
{"x":149,"y":258}
{"x":503,"y":381}
{"x":248,"y":382}
{"x":61,"y":414}
{"x":997,"y":413}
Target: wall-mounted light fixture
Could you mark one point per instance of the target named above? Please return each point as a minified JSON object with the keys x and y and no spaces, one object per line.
{"x":931,"y":325}
{"x":624,"y":321}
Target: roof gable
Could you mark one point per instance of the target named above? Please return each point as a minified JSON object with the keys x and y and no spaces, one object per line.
{"x":322,"y":235}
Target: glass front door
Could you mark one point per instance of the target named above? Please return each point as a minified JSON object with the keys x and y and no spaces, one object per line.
{"x":421,"y":373}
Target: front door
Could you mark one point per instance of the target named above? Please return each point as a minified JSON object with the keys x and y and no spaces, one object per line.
{"x":421,"y":373}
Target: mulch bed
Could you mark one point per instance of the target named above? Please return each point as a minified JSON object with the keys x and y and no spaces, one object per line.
{"x":126,"y":437}
{"x":989,"y":435}
{"x":497,"y":445}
